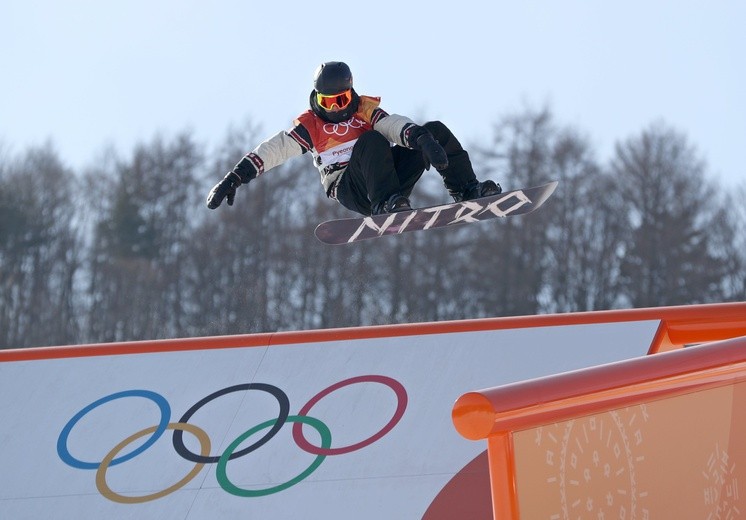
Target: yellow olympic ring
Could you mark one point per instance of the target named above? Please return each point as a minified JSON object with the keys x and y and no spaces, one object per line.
{"x":106,"y":491}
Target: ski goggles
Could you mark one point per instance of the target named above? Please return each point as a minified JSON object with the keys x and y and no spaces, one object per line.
{"x":340,"y":100}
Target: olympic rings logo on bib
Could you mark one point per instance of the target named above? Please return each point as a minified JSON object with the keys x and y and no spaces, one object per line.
{"x":273,"y":426}
{"x":343,"y":128}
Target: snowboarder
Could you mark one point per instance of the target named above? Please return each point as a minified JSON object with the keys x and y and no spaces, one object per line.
{"x":350,"y":138}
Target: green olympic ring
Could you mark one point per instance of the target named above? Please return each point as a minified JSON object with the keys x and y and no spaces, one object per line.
{"x":227,"y":485}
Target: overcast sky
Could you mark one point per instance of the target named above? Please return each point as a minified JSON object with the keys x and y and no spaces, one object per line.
{"x":91,"y":74}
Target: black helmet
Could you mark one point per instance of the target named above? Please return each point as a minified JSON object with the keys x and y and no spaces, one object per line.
{"x":332,"y":77}
{"x":332,"y":86}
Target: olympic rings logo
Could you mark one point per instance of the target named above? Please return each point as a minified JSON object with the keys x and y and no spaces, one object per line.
{"x":341,"y":129}
{"x":204,"y":456}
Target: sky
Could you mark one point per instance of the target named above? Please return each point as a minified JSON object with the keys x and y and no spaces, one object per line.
{"x":88,"y":75}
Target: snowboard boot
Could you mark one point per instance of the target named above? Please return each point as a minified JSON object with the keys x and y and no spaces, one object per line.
{"x":476,"y":190}
{"x":394,"y":204}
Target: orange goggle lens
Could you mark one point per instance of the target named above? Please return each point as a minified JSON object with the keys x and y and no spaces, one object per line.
{"x":339,"y":101}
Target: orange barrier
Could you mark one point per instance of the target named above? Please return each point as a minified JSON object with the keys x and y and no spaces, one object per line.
{"x":680,"y":325}
{"x":539,"y":432}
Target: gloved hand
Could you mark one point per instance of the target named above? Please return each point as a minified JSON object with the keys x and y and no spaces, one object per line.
{"x":421,"y":139}
{"x":226,"y":188}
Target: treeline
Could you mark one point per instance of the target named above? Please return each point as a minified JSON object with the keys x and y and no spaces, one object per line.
{"x":127,"y":250}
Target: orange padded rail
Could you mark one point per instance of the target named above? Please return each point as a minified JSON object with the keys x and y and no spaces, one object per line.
{"x":496,"y":411}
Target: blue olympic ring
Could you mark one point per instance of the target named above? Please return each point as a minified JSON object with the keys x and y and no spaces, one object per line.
{"x":158,"y":399}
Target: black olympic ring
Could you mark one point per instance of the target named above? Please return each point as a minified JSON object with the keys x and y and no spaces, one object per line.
{"x":282,"y":399}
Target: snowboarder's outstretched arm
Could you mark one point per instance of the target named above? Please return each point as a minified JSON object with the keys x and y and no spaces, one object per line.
{"x":272,"y":152}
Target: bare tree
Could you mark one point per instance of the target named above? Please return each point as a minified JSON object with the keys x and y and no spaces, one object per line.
{"x":515,"y":256}
{"x":585,"y":231}
{"x":729,"y":237}
{"x":137,"y":288}
{"x":39,"y":251}
{"x":670,"y":256}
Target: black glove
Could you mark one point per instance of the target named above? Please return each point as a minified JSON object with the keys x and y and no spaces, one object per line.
{"x":420,"y":139}
{"x":226,"y":188}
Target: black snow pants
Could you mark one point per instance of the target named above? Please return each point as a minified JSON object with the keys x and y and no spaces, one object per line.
{"x":378,"y":170}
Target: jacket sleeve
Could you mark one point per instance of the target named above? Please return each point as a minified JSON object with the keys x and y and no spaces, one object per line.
{"x":394,"y":127}
{"x":270,"y":153}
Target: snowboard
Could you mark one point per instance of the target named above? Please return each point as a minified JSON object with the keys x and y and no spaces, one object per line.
{"x":511,"y":203}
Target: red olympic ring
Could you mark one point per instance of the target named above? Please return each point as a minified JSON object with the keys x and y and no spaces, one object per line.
{"x":396,"y":386}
